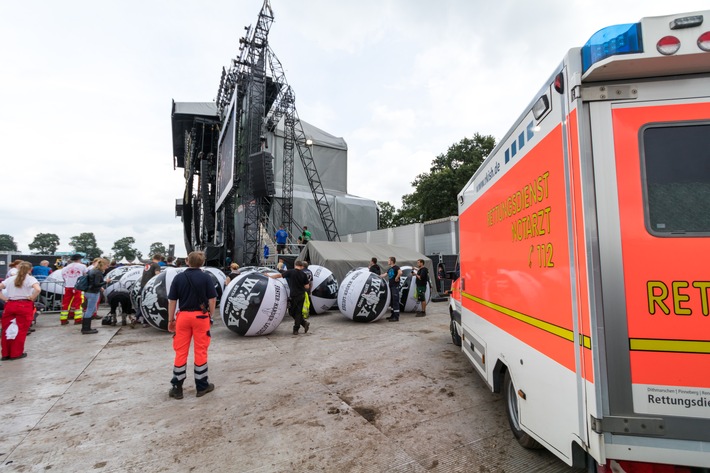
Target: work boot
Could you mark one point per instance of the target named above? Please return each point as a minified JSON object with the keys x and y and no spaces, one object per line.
{"x":393,"y":319}
{"x":64,"y":322}
{"x":86,"y":326}
{"x":123,"y":320}
{"x":295,"y":330}
{"x":78,"y":321}
{"x":208,"y":389}
{"x":306,"y":325}
{"x":176,"y":391}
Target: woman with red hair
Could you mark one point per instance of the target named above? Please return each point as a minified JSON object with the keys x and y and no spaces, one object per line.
{"x":22,"y":290}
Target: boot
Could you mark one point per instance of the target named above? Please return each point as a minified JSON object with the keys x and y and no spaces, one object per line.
{"x":86,"y":326}
{"x":108,"y":319}
{"x":176,"y":391}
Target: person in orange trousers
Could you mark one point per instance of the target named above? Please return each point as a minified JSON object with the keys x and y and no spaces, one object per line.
{"x":194,"y":290}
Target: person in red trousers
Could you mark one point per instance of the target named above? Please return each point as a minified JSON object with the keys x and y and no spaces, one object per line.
{"x":194,"y":290}
{"x":22,"y":290}
{"x":73,"y":298}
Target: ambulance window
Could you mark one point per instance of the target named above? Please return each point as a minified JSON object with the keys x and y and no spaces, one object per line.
{"x":676,"y":160}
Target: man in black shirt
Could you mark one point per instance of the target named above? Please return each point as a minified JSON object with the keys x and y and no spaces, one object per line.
{"x":298,"y":284}
{"x":194,"y":290}
{"x":374,"y":267}
{"x":422,"y":279}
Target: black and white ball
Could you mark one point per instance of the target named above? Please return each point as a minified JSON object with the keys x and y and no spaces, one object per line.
{"x":154,"y":298}
{"x":324,"y":289}
{"x":363,"y":296}
{"x":253,"y":304}
{"x":122,"y":281}
{"x":408,"y":292}
{"x":116,"y":273}
{"x":218,"y":279}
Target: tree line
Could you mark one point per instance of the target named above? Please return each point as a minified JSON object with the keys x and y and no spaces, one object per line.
{"x":435,"y":191}
{"x":47,"y":244}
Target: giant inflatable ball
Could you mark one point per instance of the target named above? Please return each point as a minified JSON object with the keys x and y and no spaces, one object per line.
{"x":363,"y":296}
{"x":154,"y":298}
{"x":254,"y":304}
{"x":53,"y":284}
{"x":324,"y":289}
{"x":218,"y":279}
{"x":116,"y":273}
{"x":122,"y":281}
{"x":407,"y":294}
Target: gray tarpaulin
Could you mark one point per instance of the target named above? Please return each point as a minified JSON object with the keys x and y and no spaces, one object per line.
{"x":341,"y":257}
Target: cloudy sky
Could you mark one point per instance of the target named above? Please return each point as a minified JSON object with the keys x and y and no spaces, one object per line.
{"x":86,"y":89}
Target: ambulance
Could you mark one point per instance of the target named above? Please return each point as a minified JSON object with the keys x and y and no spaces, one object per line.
{"x":584,"y":290}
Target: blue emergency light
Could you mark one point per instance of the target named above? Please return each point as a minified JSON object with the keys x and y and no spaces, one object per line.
{"x":612,"y":41}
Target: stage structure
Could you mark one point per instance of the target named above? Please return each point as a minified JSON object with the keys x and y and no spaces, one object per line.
{"x":239,"y":159}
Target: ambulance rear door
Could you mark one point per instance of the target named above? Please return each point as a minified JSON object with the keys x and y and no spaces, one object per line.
{"x":651,"y":156}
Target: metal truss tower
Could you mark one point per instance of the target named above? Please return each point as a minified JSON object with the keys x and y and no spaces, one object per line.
{"x":254,"y":75}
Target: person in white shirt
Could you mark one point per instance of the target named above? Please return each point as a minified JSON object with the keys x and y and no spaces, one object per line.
{"x":22,"y":290}
{"x":73,"y":298}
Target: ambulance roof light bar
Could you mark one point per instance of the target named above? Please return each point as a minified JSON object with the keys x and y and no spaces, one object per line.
{"x":611,"y":41}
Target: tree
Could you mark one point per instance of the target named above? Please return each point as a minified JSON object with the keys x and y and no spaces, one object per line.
{"x":45,"y":244}
{"x":157,"y":248}
{"x":124,"y":248}
{"x":7,"y":243}
{"x":436,"y":191}
{"x":386,"y":213}
{"x":85,"y":243}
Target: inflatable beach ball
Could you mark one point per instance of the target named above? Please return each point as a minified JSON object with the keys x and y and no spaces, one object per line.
{"x":363,"y":296}
{"x":253,"y":304}
{"x":218,"y":280}
{"x":154,"y":298}
{"x":53,"y":284}
{"x":324,"y":289}
{"x":122,"y":281}
{"x":407,"y":294}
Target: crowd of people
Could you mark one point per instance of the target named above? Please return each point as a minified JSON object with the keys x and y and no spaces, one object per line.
{"x":191,"y":290}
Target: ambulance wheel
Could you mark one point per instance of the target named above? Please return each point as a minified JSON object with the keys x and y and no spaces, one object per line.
{"x":512,"y":411}
{"x":455,"y":337}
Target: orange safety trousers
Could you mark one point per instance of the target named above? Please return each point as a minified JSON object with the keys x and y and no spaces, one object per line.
{"x":191,"y":325}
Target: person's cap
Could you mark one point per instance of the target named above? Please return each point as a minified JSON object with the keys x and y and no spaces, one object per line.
{"x":76,"y":257}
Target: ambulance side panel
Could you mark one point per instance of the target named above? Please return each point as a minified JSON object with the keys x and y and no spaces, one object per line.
{"x":518,"y":282}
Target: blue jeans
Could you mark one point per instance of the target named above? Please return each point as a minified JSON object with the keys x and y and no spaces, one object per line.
{"x":92,"y":301}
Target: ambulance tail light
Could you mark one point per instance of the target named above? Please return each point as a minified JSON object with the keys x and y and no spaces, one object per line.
{"x":704,"y":41}
{"x":612,"y":41}
{"x":668,"y":45}
{"x":619,"y":466}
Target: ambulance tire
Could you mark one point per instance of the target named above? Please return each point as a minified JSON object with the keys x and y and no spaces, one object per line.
{"x":511,"y":410}
{"x":455,"y":337}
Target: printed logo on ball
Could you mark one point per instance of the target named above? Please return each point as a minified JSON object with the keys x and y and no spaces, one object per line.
{"x":243,"y":303}
{"x":370,"y":303}
{"x":150,"y":301}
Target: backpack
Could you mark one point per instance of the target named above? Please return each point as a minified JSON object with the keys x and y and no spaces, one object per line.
{"x":82,"y":284}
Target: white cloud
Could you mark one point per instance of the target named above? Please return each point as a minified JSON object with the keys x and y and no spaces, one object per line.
{"x":86,"y":90}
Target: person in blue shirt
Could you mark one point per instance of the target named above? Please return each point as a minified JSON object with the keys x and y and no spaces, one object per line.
{"x":42,"y":271}
{"x":281,"y":238}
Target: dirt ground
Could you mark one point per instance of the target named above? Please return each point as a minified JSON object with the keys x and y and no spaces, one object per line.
{"x":346,"y":397}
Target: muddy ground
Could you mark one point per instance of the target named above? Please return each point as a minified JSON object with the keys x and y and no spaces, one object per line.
{"x":346,"y":397}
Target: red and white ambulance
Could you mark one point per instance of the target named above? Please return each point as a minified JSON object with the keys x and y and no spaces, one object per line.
{"x":584,"y":294}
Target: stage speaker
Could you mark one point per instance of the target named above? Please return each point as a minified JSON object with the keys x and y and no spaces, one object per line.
{"x":261,"y":174}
